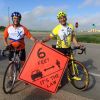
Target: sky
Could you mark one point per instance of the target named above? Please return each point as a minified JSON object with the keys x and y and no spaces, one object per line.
{"x":41,"y":14}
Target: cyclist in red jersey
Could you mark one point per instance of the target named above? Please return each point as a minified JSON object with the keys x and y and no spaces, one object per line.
{"x":16,"y":33}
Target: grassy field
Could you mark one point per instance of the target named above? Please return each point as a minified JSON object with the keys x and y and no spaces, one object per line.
{"x":82,"y":37}
{"x":93,"y":38}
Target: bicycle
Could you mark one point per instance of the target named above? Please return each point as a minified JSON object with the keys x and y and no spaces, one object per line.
{"x":14,"y":66}
{"x":78,"y":69}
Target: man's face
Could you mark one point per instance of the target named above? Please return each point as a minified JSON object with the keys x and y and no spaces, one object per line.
{"x":62,"y":20}
{"x":16,"y":20}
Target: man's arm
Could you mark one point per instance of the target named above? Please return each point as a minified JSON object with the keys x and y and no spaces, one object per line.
{"x":47,"y":39}
{"x":29,"y":35}
{"x":5,"y":42}
{"x":6,"y":37}
{"x":74,"y":40}
{"x":33,"y":38}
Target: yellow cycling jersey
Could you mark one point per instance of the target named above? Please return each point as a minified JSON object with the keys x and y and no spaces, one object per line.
{"x":63,"y":35}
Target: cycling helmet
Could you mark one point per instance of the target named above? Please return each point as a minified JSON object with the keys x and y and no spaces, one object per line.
{"x":60,"y":14}
{"x":17,"y":14}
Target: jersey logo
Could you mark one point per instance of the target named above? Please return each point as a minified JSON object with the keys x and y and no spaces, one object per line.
{"x":19,"y":34}
{"x":69,"y":30}
{"x":64,"y":33}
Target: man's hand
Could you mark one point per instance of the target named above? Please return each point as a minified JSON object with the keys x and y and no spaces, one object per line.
{"x":9,"y":47}
{"x":82,"y":46}
{"x":43,"y":41}
{"x":47,"y":39}
{"x":34,"y":39}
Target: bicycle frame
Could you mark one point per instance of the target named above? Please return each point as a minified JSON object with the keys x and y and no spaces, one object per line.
{"x":11,"y":71}
{"x":16,"y":60}
{"x":74,"y":66}
{"x":16,"y":57}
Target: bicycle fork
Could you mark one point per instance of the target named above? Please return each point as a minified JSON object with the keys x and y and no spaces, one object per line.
{"x":74,"y":66}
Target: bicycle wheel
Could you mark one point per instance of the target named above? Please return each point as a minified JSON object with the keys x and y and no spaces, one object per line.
{"x":80,"y":71}
{"x":6,"y":88}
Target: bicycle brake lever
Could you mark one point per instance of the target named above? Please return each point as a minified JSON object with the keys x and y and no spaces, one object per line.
{"x":85,"y":51}
{"x":82,"y":51}
{"x":2,"y":53}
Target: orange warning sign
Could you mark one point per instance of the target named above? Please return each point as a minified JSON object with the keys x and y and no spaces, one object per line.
{"x":44,"y":67}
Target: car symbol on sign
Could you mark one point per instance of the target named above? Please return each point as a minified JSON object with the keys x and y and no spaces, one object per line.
{"x":36,"y":74}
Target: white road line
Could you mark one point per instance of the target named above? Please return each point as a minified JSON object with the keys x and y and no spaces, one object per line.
{"x":98,"y":75}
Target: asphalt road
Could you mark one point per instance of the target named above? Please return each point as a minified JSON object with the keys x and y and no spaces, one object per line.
{"x":91,"y":60}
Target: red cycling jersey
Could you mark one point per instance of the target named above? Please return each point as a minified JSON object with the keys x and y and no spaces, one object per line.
{"x":16,"y":35}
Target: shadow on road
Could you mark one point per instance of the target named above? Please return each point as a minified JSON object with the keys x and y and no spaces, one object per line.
{"x":92,"y":82}
{"x":19,"y":87}
{"x":3,"y":57}
{"x":38,"y":94}
{"x":89,"y":64}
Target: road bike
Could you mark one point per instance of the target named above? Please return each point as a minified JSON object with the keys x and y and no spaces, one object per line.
{"x":14,"y":66}
{"x":78,"y":69}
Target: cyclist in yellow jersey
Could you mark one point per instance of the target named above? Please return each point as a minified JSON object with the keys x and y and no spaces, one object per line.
{"x":65,"y":35}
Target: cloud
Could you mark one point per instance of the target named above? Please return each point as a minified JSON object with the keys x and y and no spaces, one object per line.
{"x":86,"y":21}
{"x":89,"y":3}
{"x":42,"y":18}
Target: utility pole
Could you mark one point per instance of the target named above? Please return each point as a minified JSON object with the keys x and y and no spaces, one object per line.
{"x":8,"y":16}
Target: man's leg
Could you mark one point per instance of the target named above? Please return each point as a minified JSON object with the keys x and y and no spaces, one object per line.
{"x":23,"y":58}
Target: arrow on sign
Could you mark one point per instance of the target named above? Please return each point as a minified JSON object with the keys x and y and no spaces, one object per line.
{"x":49,"y":68}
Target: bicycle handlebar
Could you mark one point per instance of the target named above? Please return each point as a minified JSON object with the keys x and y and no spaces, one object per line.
{"x":2,"y":53}
{"x":8,"y":48}
{"x":82,"y":50}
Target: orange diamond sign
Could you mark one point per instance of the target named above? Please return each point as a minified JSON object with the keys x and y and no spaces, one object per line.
{"x":44,"y":67}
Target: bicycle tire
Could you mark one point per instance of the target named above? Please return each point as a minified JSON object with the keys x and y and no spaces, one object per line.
{"x":14,"y":78}
{"x":83,"y":84}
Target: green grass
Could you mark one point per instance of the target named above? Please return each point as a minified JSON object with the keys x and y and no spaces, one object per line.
{"x":95,"y":38}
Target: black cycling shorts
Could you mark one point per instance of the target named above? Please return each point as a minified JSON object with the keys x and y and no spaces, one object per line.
{"x":65,"y":51}
{"x":22,"y":54}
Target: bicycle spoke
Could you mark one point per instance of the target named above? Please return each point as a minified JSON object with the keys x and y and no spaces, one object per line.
{"x":9,"y":78}
{"x":81,"y":72}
